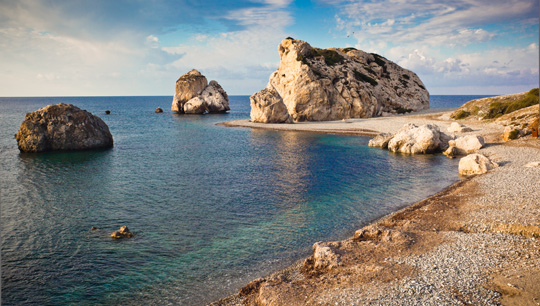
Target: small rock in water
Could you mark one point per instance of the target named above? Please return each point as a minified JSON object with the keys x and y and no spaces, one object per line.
{"x":122,"y":233}
{"x":93,"y":228}
{"x":107,"y":112}
{"x":159,"y":110}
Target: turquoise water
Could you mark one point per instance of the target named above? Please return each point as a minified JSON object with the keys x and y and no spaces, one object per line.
{"x":211,"y":207}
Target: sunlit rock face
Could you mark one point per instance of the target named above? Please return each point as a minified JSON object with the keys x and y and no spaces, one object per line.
{"x":194,"y":95}
{"x":333,"y":84}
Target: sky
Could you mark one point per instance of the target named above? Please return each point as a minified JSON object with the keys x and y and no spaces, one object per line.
{"x":141,"y":47}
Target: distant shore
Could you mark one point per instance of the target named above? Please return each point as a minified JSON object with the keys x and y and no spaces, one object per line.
{"x":475,"y":242}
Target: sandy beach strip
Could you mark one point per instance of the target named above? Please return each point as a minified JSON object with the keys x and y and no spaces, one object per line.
{"x":476,"y":242}
{"x":370,"y":126}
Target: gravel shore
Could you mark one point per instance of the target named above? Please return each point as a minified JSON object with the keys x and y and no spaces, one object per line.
{"x":477,"y":242}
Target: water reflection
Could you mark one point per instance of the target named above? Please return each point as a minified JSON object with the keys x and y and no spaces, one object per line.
{"x":288,"y":161}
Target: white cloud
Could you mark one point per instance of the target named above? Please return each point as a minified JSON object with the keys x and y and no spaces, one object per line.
{"x":152,"y":41}
{"x":63,"y":48}
{"x":449,"y":43}
{"x":234,"y":58}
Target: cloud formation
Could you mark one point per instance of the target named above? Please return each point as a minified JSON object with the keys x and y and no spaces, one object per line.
{"x":450,"y":44}
{"x":141,"y":47}
{"x":107,"y":47}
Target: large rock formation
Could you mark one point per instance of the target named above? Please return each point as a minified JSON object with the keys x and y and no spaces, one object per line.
{"x":193,"y":95}
{"x":332,"y":84}
{"x":62,"y":127}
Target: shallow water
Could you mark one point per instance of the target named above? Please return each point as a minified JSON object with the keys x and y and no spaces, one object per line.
{"x":211,"y":207}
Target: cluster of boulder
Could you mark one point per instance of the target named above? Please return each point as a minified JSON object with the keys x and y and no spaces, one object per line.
{"x":428,"y":138}
{"x":314,"y":84}
{"x":194,"y":95}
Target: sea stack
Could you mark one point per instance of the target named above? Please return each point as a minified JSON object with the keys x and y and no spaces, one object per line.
{"x":62,"y":127}
{"x":194,"y":95}
{"x":337,"y":83}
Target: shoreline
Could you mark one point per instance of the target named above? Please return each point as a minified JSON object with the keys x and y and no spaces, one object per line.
{"x":395,"y":264}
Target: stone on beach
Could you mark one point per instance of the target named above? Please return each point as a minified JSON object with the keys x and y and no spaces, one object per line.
{"x":333,"y":84}
{"x":467,"y":144}
{"x":123,"y":232}
{"x":413,"y":139}
{"x":475,"y":164}
{"x":62,"y":127}
{"x":208,"y":97}
{"x":456,"y":127}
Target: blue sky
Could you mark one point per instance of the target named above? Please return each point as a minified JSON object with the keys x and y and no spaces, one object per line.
{"x":108,"y":47}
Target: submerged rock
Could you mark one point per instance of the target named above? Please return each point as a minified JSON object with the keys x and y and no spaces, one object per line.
{"x":62,"y":127}
{"x":475,"y":164}
{"x":209,"y":97}
{"x":334,"y":84}
{"x":123,"y":232}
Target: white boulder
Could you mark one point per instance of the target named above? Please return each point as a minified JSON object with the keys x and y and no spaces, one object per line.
{"x":412,"y":139}
{"x":467,"y":144}
{"x":475,"y":164}
{"x":456,"y":127}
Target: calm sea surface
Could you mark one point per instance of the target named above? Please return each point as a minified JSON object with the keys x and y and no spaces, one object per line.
{"x":212,"y":207}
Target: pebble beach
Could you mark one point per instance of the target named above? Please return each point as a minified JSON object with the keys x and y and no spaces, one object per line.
{"x":477,"y":242}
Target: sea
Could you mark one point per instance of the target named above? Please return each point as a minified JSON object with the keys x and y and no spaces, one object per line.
{"x":211,"y":207}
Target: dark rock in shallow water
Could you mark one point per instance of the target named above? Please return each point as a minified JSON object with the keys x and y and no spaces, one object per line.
{"x":107,"y":112}
{"x":159,"y":110}
{"x":122,"y":233}
{"x":62,"y":127}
